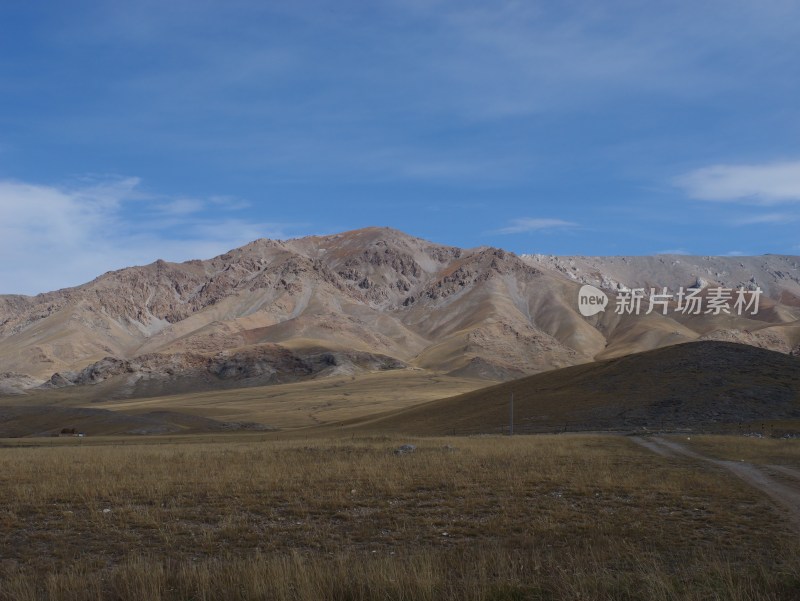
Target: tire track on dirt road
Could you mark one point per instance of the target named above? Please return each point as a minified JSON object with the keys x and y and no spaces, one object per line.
{"x":786,"y":495}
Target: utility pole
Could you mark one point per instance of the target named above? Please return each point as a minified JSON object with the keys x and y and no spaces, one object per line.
{"x":511,"y":429}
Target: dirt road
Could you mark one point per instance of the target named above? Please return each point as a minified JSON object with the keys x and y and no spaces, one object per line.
{"x":780,"y":483}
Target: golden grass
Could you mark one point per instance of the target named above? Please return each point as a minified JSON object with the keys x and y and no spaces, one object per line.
{"x":547,"y":517}
{"x":296,"y":405}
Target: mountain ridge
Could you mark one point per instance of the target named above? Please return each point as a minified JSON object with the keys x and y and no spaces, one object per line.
{"x":483,"y":312}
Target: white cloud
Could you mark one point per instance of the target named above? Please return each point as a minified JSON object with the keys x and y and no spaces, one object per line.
{"x":529,"y":224}
{"x":57,"y":236}
{"x":764,"y":184}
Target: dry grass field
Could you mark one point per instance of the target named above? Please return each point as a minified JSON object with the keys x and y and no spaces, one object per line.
{"x":284,"y":406}
{"x":304,"y":404}
{"x":256,"y":517}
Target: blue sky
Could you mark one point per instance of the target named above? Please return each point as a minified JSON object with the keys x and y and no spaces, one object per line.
{"x":131,"y":131}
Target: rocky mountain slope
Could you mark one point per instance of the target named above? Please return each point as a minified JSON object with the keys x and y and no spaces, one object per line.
{"x":776,"y":326}
{"x":276,"y":311}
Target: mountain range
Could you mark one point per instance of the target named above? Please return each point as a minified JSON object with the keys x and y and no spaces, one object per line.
{"x":367,"y":300}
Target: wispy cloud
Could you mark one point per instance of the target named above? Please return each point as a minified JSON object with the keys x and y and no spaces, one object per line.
{"x":486,"y":64}
{"x":181,"y":206}
{"x":764,"y":184}
{"x":766,"y":219}
{"x":531,"y":224}
{"x":57,"y":236}
{"x":673,"y":251}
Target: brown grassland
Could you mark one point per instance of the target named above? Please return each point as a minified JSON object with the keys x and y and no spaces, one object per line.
{"x":286,"y":406}
{"x":250,"y":517}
